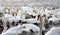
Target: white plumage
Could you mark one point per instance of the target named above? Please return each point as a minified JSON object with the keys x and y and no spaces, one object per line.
{"x":53,"y":31}
{"x":13,"y":31}
{"x":31,"y":26}
{"x":20,"y":28}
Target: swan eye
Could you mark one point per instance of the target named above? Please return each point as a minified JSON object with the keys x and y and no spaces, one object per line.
{"x":24,"y":27}
{"x":31,"y":30}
